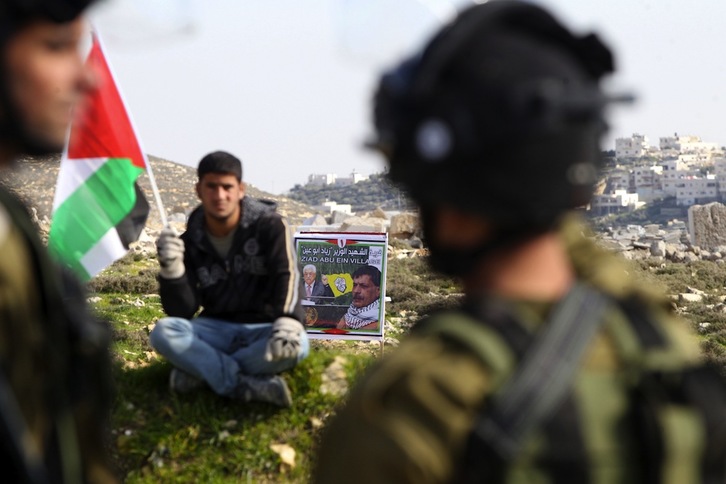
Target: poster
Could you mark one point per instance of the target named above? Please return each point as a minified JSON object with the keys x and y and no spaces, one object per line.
{"x":342,"y":288}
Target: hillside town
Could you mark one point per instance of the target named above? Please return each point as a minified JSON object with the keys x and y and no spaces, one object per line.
{"x":325,"y":179}
{"x":685,"y":168}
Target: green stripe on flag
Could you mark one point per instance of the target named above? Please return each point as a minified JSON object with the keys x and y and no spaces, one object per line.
{"x":92,"y":210}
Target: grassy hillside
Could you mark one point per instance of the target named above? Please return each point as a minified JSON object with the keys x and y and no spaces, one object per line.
{"x":162,"y":437}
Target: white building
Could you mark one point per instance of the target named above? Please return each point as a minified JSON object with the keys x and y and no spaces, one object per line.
{"x":322,"y":180}
{"x":674,"y":170}
{"x":633,"y":147}
{"x":617,"y":202}
{"x":647,"y":176}
{"x":669,"y":143}
{"x":719,"y":167}
{"x":687,"y":144}
{"x":647,"y":181}
{"x":693,"y":190}
{"x":329,"y":207}
{"x":352,"y":179}
{"x":619,"y":179}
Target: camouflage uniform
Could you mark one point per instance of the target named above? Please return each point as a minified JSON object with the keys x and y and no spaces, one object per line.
{"x":411,"y":415}
{"x":53,"y":358}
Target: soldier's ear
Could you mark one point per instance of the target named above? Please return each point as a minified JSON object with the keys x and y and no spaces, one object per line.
{"x":242,"y":188}
{"x":198,"y":189}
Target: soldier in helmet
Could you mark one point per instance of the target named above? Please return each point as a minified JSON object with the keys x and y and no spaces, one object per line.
{"x":53,"y":357}
{"x":557,"y":367}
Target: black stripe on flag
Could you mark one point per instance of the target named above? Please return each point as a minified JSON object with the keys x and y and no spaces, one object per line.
{"x":131,"y":226}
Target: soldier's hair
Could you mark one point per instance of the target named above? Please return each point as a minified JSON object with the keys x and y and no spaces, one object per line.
{"x":373,"y":272}
{"x":220,"y":162}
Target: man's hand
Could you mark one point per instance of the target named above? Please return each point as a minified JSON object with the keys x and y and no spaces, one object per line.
{"x":170,"y":250}
{"x":284,"y":342}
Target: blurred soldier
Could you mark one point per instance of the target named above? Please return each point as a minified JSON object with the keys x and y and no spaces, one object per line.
{"x":235,"y":260}
{"x":557,"y":368}
{"x":53,"y":358}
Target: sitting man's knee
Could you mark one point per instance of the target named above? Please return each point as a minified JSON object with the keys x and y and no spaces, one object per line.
{"x":171,"y":331}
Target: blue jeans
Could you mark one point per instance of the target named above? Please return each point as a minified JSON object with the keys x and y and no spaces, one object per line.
{"x":216,"y":350}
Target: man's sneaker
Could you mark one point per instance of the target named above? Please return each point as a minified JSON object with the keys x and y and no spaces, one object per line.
{"x":182,"y":382}
{"x":268,"y":389}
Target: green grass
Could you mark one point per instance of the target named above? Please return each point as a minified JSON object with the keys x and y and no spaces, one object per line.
{"x":158,"y":436}
{"x":200,"y":437}
{"x":708,"y":317}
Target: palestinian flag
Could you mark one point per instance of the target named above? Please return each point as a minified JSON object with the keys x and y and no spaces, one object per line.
{"x":98,"y":208}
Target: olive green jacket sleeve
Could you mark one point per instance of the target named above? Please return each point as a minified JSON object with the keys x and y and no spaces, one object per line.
{"x":406,"y":420}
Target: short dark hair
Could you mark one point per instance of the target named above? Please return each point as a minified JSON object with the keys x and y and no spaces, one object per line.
{"x":373,"y":272}
{"x":220,"y":162}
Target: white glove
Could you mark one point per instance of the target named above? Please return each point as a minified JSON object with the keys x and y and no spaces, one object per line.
{"x":170,"y":251}
{"x":284,"y":342}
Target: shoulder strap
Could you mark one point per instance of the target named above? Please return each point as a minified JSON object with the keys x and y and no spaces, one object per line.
{"x":540,"y":383}
{"x":545,"y":373}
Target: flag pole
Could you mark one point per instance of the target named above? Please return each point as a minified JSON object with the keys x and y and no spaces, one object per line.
{"x":155,"y":190}
{"x":149,"y":171}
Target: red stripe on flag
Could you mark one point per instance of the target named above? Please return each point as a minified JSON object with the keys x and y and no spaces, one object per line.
{"x":102,"y":128}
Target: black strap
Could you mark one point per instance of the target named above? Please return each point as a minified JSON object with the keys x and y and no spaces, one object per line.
{"x":540,"y":384}
{"x":701,"y":387}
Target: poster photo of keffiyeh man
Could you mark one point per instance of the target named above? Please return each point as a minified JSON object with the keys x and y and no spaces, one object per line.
{"x":342,"y":288}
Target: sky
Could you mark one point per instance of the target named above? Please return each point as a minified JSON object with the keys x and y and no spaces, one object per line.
{"x":286,"y":85}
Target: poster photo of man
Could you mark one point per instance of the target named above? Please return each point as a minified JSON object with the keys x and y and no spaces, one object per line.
{"x":343,"y":282}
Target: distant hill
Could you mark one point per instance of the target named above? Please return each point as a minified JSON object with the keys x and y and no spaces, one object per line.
{"x":366,"y":195}
{"x":35,"y":178}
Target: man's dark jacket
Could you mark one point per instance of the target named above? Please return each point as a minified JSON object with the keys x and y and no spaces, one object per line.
{"x":256,"y":282}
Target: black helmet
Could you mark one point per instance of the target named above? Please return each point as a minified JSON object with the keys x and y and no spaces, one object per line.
{"x":14,"y":13}
{"x":500,"y":114}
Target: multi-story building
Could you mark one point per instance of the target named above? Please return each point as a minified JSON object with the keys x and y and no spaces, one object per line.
{"x":617,"y":202}
{"x":352,"y":179}
{"x":322,"y":180}
{"x":633,"y":147}
{"x":328,"y":207}
{"x":719,"y":167}
{"x":619,"y":179}
{"x":693,"y":190}
{"x":687,"y":144}
{"x":673,"y":170}
{"x":333,"y":179}
{"x":647,"y":181}
{"x":691,"y":170}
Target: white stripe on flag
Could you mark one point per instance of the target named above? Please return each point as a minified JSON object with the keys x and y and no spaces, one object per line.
{"x":107,"y":250}
{"x":72,"y":174}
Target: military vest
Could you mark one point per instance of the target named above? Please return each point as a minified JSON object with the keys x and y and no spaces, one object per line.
{"x":670,"y":427}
